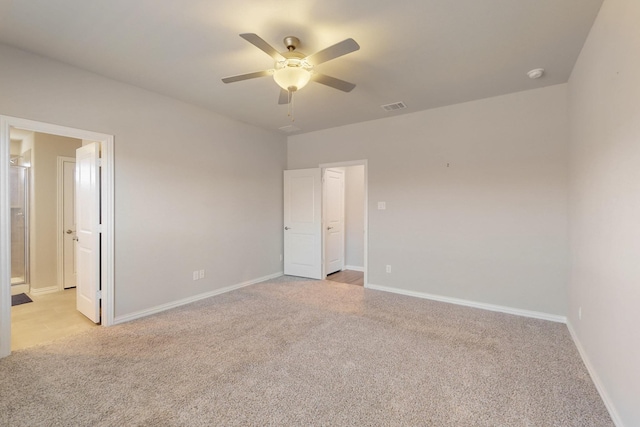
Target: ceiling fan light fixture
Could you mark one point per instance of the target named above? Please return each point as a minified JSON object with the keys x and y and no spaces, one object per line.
{"x":292,"y":78}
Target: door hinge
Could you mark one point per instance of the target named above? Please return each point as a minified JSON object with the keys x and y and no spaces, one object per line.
{"x":99,"y":228}
{"x":99,"y":294}
{"x":100,"y":162}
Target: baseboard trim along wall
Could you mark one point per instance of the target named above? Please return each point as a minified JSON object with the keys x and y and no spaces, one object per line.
{"x":354,"y":268}
{"x":47,"y":290}
{"x":474,"y":304}
{"x":184,"y":301}
{"x":595,"y":378}
{"x":19,"y":289}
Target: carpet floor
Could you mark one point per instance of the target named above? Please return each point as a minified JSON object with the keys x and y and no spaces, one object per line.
{"x":300,"y":352}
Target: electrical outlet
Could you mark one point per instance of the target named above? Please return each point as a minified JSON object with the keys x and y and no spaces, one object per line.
{"x":579,"y":313}
{"x":201,"y":274}
{"x":382,"y":206}
{"x":388,"y":269}
{"x":195,"y":275}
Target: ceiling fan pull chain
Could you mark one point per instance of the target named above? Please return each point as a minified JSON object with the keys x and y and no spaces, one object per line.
{"x":290,"y":113}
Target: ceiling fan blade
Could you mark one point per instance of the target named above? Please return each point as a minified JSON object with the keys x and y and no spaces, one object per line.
{"x":284,"y":97}
{"x":248,"y":76}
{"x":333,"y":82}
{"x":258,"y":42}
{"x":333,"y":52}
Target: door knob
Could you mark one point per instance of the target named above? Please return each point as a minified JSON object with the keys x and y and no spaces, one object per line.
{"x":329,"y":228}
{"x":75,"y":238}
{"x":69,"y":231}
{"x":287,"y":228}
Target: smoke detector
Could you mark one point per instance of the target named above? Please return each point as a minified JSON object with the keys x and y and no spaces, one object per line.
{"x":536,"y":73}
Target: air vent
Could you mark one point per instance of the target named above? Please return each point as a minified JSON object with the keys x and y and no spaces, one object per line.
{"x":393,"y":107}
{"x":289,"y":129}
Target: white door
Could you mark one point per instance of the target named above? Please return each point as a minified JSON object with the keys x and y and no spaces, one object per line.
{"x":68,"y":223}
{"x":333,"y":203}
{"x":303,"y":223}
{"x":87,"y":231}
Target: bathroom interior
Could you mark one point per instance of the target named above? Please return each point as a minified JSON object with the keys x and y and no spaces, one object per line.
{"x":41,"y":168}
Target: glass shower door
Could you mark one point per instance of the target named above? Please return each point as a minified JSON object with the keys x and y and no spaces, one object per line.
{"x":19,"y":200}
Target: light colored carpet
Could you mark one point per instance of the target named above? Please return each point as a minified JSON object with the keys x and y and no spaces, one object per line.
{"x":300,"y":352}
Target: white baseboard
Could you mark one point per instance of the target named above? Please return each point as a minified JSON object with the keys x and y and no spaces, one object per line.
{"x":354,"y":268}
{"x":474,"y":304}
{"x":19,"y":289}
{"x":42,"y":291}
{"x":596,"y":379}
{"x":178,"y":303}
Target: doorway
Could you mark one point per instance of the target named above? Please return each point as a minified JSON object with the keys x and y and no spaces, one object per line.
{"x":306,"y":227}
{"x":344,"y":228}
{"x":106,"y":228}
{"x":44,"y":192}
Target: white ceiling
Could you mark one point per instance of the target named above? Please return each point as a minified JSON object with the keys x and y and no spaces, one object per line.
{"x":426,"y":53}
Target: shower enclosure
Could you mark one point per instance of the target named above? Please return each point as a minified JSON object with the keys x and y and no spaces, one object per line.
{"x":19,"y":200}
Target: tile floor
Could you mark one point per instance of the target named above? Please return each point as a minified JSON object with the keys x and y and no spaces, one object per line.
{"x":48,"y":317}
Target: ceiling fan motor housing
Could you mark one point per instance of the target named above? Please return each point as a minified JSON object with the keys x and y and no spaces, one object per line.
{"x":294,"y":72}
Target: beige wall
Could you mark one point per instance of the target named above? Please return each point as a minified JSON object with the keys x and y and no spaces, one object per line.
{"x":193,"y":189}
{"x":604,"y":101}
{"x":14,"y":147}
{"x":492,"y":226}
{"x":354,"y":216}
{"x":44,"y":206}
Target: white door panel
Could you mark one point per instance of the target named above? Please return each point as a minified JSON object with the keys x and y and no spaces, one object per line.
{"x":303,"y":223}
{"x":333,"y":220}
{"x":87,"y":230}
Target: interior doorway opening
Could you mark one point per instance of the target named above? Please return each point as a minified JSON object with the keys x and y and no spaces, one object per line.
{"x":343,"y":223}
{"x":41,"y":192}
{"x":105,"y":212}
{"x":43,"y":238}
{"x":306,"y":226}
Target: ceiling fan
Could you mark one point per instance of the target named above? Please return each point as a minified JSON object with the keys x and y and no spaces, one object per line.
{"x":293,"y":70}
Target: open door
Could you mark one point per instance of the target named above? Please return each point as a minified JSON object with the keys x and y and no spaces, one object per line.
{"x":333,"y":204}
{"x":303,"y":223}
{"x":88,"y":230}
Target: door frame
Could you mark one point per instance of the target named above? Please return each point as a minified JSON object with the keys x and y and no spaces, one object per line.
{"x":60,"y":220}
{"x":364,"y":163}
{"x":107,"y":213}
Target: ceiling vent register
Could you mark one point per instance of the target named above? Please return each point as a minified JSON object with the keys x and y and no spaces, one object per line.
{"x":289,"y":129}
{"x":394,"y":107}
